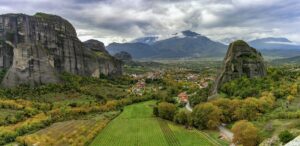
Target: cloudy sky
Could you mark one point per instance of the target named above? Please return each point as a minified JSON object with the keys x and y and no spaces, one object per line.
{"x":124,"y":20}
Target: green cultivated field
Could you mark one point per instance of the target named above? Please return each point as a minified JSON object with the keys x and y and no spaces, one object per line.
{"x":137,"y":127}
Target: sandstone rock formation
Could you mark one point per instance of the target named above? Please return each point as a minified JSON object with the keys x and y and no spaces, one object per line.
{"x":35,"y":49}
{"x":240,"y":60}
{"x":108,"y":65}
{"x":95,"y":45}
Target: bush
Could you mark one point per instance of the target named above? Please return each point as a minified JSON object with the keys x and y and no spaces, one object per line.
{"x":206,"y":115}
{"x":196,"y":99}
{"x":182,"y":117}
{"x":245,"y":133}
{"x":166,"y":110}
{"x":286,"y":136}
{"x":155,"y":111}
{"x":250,"y":109}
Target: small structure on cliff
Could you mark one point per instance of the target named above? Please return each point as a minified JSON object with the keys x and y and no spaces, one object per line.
{"x":240,"y":60}
{"x":35,"y":49}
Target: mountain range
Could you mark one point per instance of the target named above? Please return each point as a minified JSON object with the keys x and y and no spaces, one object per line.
{"x":183,"y":44}
{"x":188,"y":44}
{"x":292,"y":60}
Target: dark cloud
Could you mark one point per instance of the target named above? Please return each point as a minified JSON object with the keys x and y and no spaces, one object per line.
{"x":116,"y":20}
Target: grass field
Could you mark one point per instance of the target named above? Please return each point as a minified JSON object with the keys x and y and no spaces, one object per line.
{"x":137,"y":127}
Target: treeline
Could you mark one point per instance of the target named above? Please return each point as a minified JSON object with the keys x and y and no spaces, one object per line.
{"x":69,"y":83}
{"x":280,"y":81}
{"x":209,"y":115}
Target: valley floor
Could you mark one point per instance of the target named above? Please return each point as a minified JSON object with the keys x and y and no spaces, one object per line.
{"x":137,"y":126}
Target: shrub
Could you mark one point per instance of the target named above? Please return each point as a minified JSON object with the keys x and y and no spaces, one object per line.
{"x":166,"y":110}
{"x":245,"y":133}
{"x":227,"y":107}
{"x":155,"y":111}
{"x":285,"y":136}
{"x":206,"y":115}
{"x":181,"y":117}
{"x":250,"y":109}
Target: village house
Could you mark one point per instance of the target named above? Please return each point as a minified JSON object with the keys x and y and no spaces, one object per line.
{"x":204,"y":82}
{"x":139,"y":87}
{"x":183,"y":97}
{"x":154,"y":75}
{"x":137,"y":77}
{"x":192,"y":77}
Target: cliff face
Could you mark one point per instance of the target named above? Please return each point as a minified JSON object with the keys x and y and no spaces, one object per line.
{"x":35,"y":49}
{"x":240,"y":60}
{"x":108,"y":65}
{"x":95,"y":45}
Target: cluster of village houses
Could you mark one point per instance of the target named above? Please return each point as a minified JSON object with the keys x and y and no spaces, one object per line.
{"x":183,"y":97}
{"x":140,"y":86}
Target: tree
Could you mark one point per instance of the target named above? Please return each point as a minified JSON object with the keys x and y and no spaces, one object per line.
{"x":166,"y":110}
{"x":294,"y":89}
{"x":206,"y":115}
{"x":286,"y":136}
{"x":227,"y":107}
{"x":290,"y":98}
{"x":181,"y":117}
{"x":198,"y":98}
{"x":268,"y":100}
{"x":250,"y":109}
{"x":245,"y":133}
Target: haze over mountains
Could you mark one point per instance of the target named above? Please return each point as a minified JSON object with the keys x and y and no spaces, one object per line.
{"x":191,"y":44}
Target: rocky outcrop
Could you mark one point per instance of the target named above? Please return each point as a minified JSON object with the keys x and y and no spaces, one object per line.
{"x":240,"y":60}
{"x":95,"y":45}
{"x":123,"y":56}
{"x":35,"y":49}
{"x":108,"y":65}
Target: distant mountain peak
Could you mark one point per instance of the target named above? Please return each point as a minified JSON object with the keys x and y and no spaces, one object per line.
{"x":190,"y":33}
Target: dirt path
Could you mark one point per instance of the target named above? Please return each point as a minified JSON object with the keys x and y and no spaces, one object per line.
{"x":188,"y":107}
{"x":226,"y":132}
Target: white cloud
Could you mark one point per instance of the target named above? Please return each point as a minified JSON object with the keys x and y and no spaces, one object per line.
{"x":119,"y":20}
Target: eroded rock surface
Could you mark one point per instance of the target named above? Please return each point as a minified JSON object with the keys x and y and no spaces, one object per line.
{"x":240,"y":60}
{"x":95,"y":45}
{"x":35,"y":49}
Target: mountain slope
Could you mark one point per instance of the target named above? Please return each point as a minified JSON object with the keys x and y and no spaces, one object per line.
{"x":183,"y":44}
{"x":137,"y":50}
{"x":295,"y":59}
{"x":273,"y":43}
{"x":189,"y":44}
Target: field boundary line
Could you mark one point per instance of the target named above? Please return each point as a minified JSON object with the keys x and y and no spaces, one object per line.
{"x":168,"y":133}
{"x":209,"y":138}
